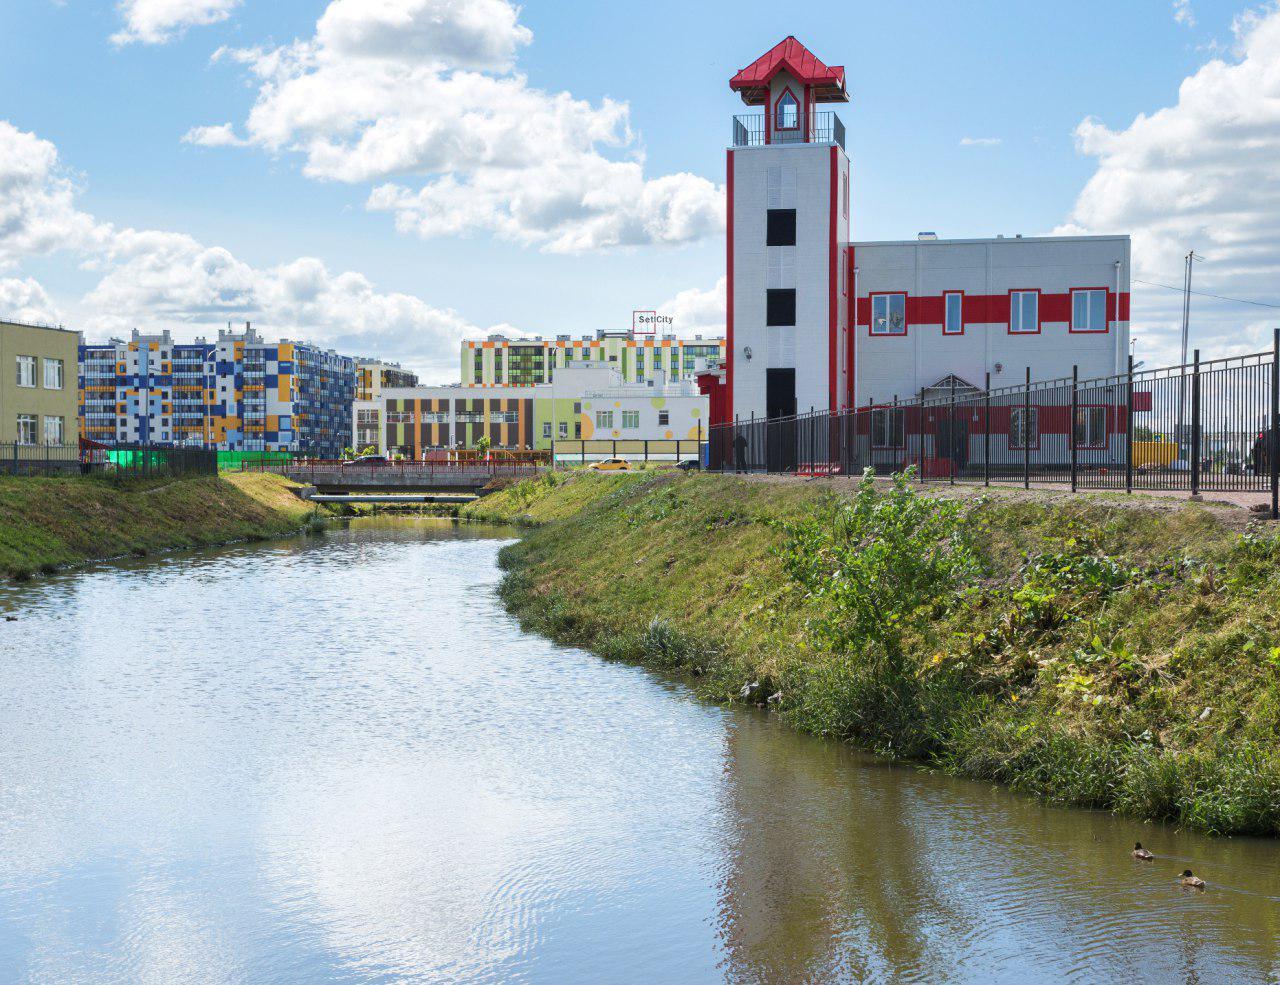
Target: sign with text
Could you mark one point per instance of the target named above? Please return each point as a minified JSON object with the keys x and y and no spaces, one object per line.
{"x":648,"y":322}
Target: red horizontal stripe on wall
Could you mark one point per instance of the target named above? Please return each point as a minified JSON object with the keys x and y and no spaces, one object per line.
{"x":989,"y":309}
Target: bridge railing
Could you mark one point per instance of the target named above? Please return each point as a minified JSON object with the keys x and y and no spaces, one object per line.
{"x":400,"y":470}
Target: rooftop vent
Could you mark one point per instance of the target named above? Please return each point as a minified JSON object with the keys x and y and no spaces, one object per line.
{"x":926,"y":237}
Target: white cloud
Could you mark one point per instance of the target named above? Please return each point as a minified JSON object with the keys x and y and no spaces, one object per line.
{"x":155,"y":279}
{"x":24,"y":300}
{"x":698,"y":310}
{"x":1183,"y":14}
{"x":393,"y":90}
{"x":219,"y":136}
{"x":1201,"y":174}
{"x":981,"y":141}
{"x":161,"y":21}
{"x":37,"y":199}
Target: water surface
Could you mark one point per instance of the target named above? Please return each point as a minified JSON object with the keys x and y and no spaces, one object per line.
{"x":339,"y":760}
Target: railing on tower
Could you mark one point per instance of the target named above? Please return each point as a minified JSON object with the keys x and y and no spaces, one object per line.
{"x":749,"y":130}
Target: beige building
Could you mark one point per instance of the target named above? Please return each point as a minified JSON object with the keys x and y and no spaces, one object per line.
{"x":38,"y":385}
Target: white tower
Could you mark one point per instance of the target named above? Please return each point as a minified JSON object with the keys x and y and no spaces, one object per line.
{"x":788,"y":213}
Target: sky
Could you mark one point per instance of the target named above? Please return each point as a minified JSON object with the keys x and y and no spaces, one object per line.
{"x":388,"y":177}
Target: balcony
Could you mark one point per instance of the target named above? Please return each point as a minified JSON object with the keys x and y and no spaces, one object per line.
{"x":824,"y":128}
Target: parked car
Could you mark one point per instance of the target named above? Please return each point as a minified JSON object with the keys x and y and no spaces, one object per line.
{"x":611,"y":465}
{"x":368,"y":460}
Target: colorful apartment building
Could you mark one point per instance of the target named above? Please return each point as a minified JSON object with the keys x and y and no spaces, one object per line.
{"x":240,"y":393}
{"x":589,"y":401}
{"x":37,"y":395}
{"x":500,"y":361}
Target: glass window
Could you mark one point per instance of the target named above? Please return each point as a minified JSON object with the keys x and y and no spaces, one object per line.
{"x":1091,"y":427}
{"x":564,"y":429}
{"x":400,"y":417}
{"x":1089,"y":311}
{"x":546,"y":429}
{"x":1020,"y":433}
{"x":788,"y":112}
{"x":889,"y":314}
{"x":664,"y":418}
{"x":631,"y":419}
{"x":53,"y":430}
{"x":53,"y":374}
{"x":888,"y":428}
{"x":26,"y":371}
{"x":26,"y":429}
{"x":604,"y":419}
{"x":1024,"y":312}
{"x":954,"y":316}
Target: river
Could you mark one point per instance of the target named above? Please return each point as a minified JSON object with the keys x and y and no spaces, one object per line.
{"x":339,"y":760}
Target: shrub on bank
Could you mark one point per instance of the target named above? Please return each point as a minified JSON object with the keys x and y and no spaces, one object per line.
{"x":1113,"y":656}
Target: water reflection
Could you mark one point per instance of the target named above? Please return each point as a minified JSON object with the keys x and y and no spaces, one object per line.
{"x":339,"y":760}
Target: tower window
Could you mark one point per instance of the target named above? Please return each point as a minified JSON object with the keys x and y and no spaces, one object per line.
{"x":781,"y":228}
{"x":780,"y":306}
{"x":787,"y":116}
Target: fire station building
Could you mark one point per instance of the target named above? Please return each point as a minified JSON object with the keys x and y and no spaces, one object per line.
{"x":817,"y":320}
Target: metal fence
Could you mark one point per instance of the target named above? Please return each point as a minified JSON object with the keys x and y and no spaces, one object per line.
{"x":583,"y":451}
{"x":1203,"y":427}
{"x":115,"y":462}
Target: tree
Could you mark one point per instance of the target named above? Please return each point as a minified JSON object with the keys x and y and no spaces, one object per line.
{"x":483,"y":446}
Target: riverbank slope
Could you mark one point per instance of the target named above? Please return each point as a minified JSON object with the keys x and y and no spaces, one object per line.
{"x":1119,"y":654}
{"x":51,"y":523}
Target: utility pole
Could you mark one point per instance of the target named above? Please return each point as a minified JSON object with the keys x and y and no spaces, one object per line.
{"x":1190,"y":259}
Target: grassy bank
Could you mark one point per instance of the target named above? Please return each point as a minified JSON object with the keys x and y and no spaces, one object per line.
{"x":51,"y":523}
{"x":1121,"y":655}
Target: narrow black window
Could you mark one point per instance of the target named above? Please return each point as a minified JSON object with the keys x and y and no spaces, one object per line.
{"x":782,"y":228}
{"x":781,"y":306}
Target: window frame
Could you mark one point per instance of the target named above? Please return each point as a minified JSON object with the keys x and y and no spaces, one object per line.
{"x":46,"y":364}
{"x":1035,"y":420}
{"x":1039,"y":311}
{"x":604,"y":419}
{"x":1106,"y":311}
{"x":34,"y":421}
{"x":777,"y":106}
{"x":894,"y":420}
{"x":780,"y":224}
{"x":1102,"y":444}
{"x":30,"y":361}
{"x":946,"y":298}
{"x":630,"y":415}
{"x":664,"y":418}
{"x":871,"y":325}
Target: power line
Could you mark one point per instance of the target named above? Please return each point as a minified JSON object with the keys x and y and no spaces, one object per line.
{"x":1220,"y":297}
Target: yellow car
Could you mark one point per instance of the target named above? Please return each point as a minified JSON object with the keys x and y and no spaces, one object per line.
{"x":611,"y":465}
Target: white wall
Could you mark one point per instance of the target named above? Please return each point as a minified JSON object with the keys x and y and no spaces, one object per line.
{"x":888,"y":366}
{"x":806,"y":346}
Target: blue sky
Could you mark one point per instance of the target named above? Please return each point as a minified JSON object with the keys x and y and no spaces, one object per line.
{"x":923,"y":77}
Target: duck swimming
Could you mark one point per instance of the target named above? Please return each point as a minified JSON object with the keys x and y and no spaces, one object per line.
{"x":1141,"y":853}
{"x":1190,"y":881}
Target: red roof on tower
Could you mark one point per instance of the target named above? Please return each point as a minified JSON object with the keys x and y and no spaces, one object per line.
{"x":753,"y":81}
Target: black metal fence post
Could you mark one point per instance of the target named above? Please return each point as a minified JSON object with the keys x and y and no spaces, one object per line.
{"x":1128,"y":429}
{"x":1071,"y":425}
{"x":1274,"y":443}
{"x":951,"y":433}
{"x":986,"y":432}
{"x":1195,"y":425}
{"x":1026,"y":433}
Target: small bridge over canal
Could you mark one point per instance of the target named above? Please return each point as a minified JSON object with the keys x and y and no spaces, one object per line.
{"x":403,"y":477}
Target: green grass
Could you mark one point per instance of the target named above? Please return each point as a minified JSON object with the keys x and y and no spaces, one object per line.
{"x":1076,"y":665}
{"x":46,"y":524}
